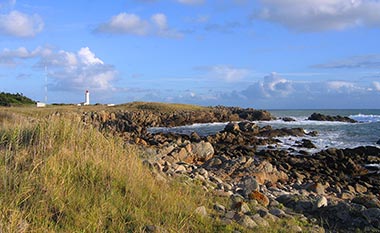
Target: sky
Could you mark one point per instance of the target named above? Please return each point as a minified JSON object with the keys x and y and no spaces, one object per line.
{"x":268,"y":54}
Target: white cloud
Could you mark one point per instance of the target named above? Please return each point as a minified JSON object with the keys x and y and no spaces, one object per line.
{"x":271,"y":86}
{"x":376,"y":85}
{"x":226,"y":73}
{"x":340,"y":86}
{"x":20,"y":25}
{"x":191,"y":2}
{"x":162,"y":29}
{"x":88,"y":57}
{"x":124,"y":23}
{"x":133,"y":24}
{"x":321,"y":15}
{"x":160,"y":20}
{"x":68,"y":70}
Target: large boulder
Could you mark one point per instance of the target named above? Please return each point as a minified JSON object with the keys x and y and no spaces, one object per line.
{"x":321,"y":117}
{"x":200,"y":152}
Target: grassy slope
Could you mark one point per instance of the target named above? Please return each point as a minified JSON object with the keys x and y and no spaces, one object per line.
{"x":8,"y":99}
{"x":59,"y":175}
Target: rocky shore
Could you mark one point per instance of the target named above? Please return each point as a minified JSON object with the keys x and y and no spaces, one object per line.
{"x":333,"y":190}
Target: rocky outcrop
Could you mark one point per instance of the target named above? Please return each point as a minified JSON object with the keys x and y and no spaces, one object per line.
{"x":340,"y":187}
{"x":321,"y":117}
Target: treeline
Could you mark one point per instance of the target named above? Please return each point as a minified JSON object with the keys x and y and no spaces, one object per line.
{"x":8,"y":99}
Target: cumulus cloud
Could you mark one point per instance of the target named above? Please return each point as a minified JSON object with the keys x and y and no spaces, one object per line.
{"x":321,"y":15}
{"x":68,"y":70}
{"x":18,"y":24}
{"x":371,"y":61}
{"x":271,"y":86}
{"x":133,"y":24}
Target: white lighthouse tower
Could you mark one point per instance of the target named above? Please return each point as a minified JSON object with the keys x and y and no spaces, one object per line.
{"x":87,"y":98}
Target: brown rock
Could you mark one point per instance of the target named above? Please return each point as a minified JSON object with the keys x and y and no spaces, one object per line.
{"x":360,"y":188}
{"x":259,"y":197}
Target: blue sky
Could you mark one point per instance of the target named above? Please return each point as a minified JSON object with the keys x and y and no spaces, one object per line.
{"x":250,"y":53}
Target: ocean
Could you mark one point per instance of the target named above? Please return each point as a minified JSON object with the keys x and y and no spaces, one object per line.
{"x":331,"y":134}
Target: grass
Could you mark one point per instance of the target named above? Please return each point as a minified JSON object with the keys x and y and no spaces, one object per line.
{"x":59,"y":175}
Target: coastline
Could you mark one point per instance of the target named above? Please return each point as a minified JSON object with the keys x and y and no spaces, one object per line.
{"x":320,"y":185}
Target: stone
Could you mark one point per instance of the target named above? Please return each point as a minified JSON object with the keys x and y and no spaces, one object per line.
{"x":317,"y":188}
{"x":378,"y":142}
{"x":249,"y":184}
{"x":201,"y":152}
{"x":369,"y":201}
{"x":230,"y":214}
{"x":220,"y":208}
{"x":266,"y":172}
{"x":321,"y":202}
{"x":246,"y":221}
{"x":278,"y":212}
{"x":261,"y":198}
{"x":260,"y":221}
{"x":295,"y":229}
{"x":232,"y":127}
{"x":201,"y":211}
{"x":360,"y":188}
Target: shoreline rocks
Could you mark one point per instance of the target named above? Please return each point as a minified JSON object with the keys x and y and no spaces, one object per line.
{"x":331,"y":185}
{"x":321,"y":117}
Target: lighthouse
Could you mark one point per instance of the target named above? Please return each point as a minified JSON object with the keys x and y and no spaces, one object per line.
{"x":87,"y":98}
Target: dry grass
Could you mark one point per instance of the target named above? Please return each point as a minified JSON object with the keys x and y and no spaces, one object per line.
{"x":58,"y":175}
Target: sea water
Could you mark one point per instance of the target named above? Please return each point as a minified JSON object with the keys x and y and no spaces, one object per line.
{"x":330,"y":134}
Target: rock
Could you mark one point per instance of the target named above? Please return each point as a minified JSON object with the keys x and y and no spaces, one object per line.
{"x":201,"y":211}
{"x":278,"y":212}
{"x":201,"y":151}
{"x":378,"y":142}
{"x":249,"y":184}
{"x":295,"y":229}
{"x":305,"y":143}
{"x":260,"y":221}
{"x":369,"y":201}
{"x":288,"y":119}
{"x":321,"y":117}
{"x":241,"y":207}
{"x":317,"y":188}
{"x":321,"y":202}
{"x":266,"y":172}
{"x":230,"y":214}
{"x":232,"y":127}
{"x":259,"y":197}
{"x":194,"y":137}
{"x":360,"y":188}
{"x":246,"y":221}
{"x":220,"y":208}
{"x":235,"y":198}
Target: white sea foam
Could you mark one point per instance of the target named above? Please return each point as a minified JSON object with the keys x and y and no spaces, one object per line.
{"x":366,"y":118}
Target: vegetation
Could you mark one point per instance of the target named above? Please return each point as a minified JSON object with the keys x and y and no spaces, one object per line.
{"x":8,"y":99}
{"x":59,"y":175}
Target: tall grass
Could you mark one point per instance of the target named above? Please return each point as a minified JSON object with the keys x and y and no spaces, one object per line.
{"x":59,"y":175}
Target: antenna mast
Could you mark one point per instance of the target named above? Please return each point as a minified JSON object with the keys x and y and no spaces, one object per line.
{"x":46,"y":85}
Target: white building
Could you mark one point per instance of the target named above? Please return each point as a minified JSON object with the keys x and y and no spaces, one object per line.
{"x":87,"y":98}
